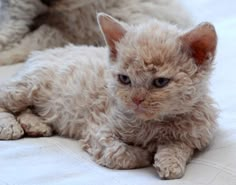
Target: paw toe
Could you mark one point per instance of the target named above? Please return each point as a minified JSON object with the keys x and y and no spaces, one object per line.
{"x":9,"y":127}
{"x":171,"y":170}
{"x":33,"y":125}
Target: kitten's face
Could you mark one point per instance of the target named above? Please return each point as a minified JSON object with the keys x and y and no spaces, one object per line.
{"x":150,"y":74}
{"x":153,"y":74}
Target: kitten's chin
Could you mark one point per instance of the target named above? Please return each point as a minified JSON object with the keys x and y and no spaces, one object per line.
{"x":144,"y":117}
{"x":143,"y":114}
{"x":139,"y":112}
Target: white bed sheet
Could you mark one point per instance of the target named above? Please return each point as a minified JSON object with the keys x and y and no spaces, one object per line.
{"x":60,"y":161}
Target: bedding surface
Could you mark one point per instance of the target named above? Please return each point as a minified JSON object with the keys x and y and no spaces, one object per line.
{"x":60,"y":161}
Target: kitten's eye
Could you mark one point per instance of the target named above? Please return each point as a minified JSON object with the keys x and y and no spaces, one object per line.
{"x":124,"y":79}
{"x":161,"y":82}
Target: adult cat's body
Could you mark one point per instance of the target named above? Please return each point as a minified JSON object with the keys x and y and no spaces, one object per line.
{"x":33,"y":26}
{"x":148,"y":101}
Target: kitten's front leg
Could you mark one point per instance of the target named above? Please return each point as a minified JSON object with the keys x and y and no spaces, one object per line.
{"x":171,"y":159}
{"x":33,"y":125}
{"x":123,"y":156}
{"x":16,"y":96}
{"x":107,"y":150}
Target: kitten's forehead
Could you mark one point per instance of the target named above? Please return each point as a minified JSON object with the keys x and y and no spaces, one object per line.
{"x":149,"y":47}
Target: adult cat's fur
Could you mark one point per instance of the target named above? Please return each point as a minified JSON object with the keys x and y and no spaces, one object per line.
{"x":78,"y":92}
{"x":71,"y":21}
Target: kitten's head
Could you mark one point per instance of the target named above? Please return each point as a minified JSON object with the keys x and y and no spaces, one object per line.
{"x":157,"y":69}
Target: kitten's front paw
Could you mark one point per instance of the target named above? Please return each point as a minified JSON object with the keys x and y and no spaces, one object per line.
{"x":34,"y":125}
{"x":9,"y":127}
{"x":125,"y":158}
{"x":169,"y":168}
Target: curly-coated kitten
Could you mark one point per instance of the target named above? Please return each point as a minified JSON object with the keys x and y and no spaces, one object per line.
{"x":143,"y":99}
{"x":29,"y":25}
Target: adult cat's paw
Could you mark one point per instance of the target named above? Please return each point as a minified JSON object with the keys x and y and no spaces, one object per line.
{"x":9,"y":127}
{"x":11,"y":57}
{"x":169,"y":168}
{"x":3,"y":41}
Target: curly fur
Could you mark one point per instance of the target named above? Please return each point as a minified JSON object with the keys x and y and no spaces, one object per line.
{"x":32,"y":25}
{"x":75,"y":91}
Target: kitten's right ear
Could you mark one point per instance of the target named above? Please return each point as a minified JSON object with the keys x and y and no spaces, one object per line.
{"x":112,"y":31}
{"x":201,"y":42}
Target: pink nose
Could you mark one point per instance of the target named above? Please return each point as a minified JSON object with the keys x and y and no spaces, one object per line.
{"x":137,"y":100}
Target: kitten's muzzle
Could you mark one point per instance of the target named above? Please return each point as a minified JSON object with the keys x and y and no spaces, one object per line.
{"x":137,"y":100}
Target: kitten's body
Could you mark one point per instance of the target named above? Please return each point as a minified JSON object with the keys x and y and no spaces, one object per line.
{"x":75,"y":91}
{"x":73,"y":21}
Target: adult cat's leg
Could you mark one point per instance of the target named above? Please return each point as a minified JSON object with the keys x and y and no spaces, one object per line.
{"x":171,"y":159}
{"x":16,"y":18}
{"x":107,"y":150}
{"x":42,"y":38}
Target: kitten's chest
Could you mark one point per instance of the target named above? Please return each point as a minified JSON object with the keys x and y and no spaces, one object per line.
{"x":148,"y":134}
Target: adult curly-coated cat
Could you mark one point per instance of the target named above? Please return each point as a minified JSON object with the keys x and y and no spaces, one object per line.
{"x":29,"y":25}
{"x":142,"y":100}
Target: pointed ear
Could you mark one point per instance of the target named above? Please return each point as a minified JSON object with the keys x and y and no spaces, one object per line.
{"x":201,"y":42}
{"x":112,"y":31}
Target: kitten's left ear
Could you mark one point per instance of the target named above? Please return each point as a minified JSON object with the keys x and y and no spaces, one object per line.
{"x":112,"y":31}
{"x":200,"y":42}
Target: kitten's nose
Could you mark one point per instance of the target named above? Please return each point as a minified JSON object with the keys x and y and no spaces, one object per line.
{"x":137,"y":100}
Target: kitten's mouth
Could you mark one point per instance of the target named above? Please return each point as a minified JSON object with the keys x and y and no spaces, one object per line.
{"x":140,"y":112}
{"x":143,"y":113}
{"x":137,"y":108}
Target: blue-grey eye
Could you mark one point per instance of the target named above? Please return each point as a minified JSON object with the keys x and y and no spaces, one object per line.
{"x":161,"y":82}
{"x":124,"y":79}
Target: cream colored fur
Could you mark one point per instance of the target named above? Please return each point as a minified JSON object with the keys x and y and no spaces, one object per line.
{"x":75,"y":91}
{"x":72,"y":21}
{"x":15,"y":20}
